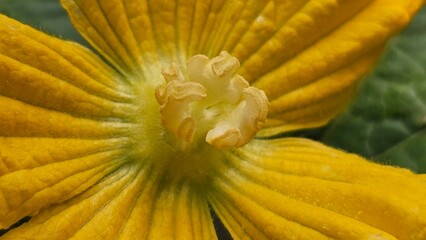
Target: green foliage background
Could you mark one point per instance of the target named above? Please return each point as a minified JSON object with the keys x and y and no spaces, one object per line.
{"x":385,"y":123}
{"x":387,"y":120}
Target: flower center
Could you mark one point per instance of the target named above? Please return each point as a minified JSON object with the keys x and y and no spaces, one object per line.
{"x":211,"y":103}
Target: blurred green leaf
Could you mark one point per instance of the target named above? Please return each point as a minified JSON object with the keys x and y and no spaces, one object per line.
{"x":386,"y":121}
{"x":410,"y":153}
{"x":46,"y":15}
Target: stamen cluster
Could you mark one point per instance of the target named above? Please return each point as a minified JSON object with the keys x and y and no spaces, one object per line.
{"x":212,"y":102}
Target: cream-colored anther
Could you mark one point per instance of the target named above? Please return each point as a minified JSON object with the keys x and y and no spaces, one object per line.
{"x":240,"y":125}
{"x":213,"y":102}
{"x":175,"y":98}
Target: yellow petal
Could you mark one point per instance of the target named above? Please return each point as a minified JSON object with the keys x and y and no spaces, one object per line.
{"x":26,"y":191}
{"x":278,"y":189}
{"x":64,"y":120}
{"x":19,"y":153}
{"x":121,"y":30}
{"x":321,"y":48}
{"x":56,"y":74}
{"x":64,"y":220}
{"x":136,"y":35}
{"x":70,"y":62}
{"x":180,"y":213}
{"x":128,"y":204}
{"x":306,"y":55}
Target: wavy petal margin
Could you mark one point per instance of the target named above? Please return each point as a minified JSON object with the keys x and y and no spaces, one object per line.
{"x":279,"y":189}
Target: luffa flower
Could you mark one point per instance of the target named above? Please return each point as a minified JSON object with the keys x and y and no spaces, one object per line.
{"x":141,"y":146}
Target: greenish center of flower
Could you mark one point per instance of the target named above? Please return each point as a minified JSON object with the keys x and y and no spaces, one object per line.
{"x":211,"y":103}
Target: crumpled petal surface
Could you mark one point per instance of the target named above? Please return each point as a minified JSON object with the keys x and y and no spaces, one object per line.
{"x":63,"y":120}
{"x":296,"y":188}
{"x":289,"y":49}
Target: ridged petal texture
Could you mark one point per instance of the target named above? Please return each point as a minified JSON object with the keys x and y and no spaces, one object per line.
{"x":70,"y":159}
{"x":289,"y":49}
{"x":63,"y":120}
{"x":131,"y":203}
{"x":66,"y":127}
{"x":299,"y":189}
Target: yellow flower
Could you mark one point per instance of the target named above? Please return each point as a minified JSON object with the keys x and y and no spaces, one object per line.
{"x":141,"y":146}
